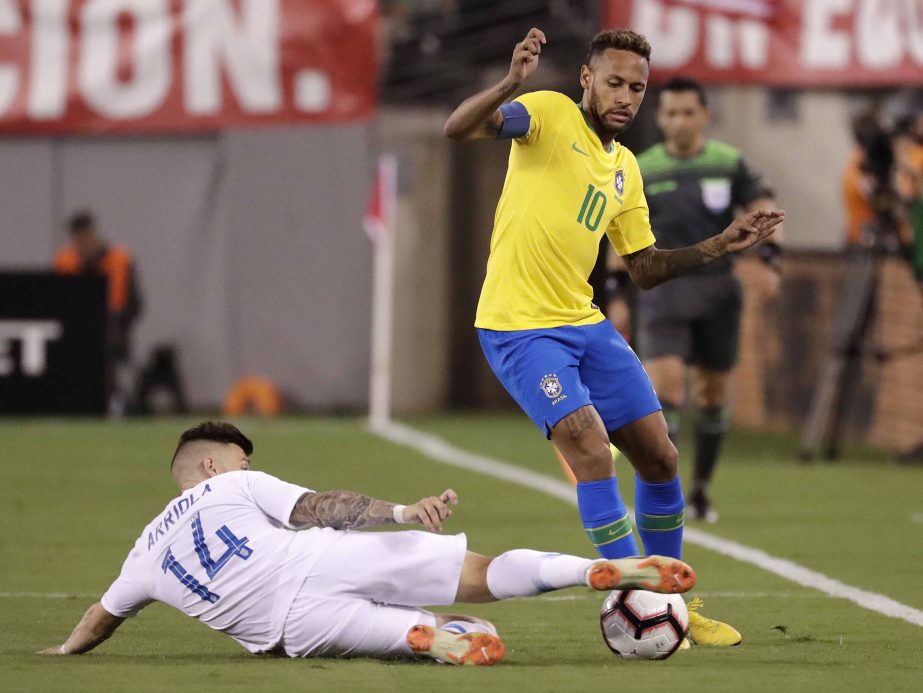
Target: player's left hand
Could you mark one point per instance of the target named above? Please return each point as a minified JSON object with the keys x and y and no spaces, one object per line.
{"x":751,"y":228}
{"x":432,"y":510}
{"x":55,"y":650}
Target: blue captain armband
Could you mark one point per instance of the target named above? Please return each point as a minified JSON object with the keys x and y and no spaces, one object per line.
{"x":516,"y":120}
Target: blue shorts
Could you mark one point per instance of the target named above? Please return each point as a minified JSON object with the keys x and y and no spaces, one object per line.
{"x":553,"y":372}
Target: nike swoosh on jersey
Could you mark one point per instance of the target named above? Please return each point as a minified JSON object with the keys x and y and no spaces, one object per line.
{"x":578,"y":150}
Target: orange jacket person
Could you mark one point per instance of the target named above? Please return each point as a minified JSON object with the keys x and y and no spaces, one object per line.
{"x":89,"y":255}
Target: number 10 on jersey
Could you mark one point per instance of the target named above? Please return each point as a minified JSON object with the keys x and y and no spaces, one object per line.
{"x":593,"y":207}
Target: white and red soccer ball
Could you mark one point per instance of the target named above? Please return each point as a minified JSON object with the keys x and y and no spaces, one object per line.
{"x":637,"y":624}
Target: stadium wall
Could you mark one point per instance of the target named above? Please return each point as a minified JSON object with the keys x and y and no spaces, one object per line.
{"x":800,"y":141}
{"x":249,"y":244}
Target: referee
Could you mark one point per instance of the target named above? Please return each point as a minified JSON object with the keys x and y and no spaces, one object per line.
{"x":693,"y":186}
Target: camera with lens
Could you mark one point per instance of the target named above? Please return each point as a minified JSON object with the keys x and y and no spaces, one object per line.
{"x":882,"y":233}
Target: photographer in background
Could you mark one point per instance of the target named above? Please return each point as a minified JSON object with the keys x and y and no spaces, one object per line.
{"x":88,"y":254}
{"x":883,"y":193}
{"x":857,"y":181}
{"x":883,"y":185}
{"x":908,"y":156}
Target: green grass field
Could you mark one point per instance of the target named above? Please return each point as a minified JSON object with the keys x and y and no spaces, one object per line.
{"x":76,"y":495}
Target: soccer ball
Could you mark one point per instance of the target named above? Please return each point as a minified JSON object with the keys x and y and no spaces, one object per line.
{"x":637,"y":624}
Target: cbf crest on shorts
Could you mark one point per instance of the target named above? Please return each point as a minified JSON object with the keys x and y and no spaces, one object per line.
{"x":551,"y":386}
{"x":620,"y":182}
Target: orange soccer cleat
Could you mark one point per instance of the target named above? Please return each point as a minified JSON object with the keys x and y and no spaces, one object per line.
{"x":465,"y":649}
{"x":653,"y":573}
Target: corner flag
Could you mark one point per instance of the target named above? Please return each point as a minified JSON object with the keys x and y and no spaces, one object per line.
{"x":379,"y":214}
{"x":379,"y":222}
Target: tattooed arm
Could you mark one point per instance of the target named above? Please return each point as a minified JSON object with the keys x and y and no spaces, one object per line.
{"x":351,"y":510}
{"x":651,"y":266}
{"x":478,"y":117}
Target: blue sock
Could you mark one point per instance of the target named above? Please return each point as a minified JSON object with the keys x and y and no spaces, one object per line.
{"x":605,"y":518}
{"x":659,"y":515}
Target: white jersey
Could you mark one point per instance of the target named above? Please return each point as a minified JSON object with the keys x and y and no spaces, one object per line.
{"x":224,"y":553}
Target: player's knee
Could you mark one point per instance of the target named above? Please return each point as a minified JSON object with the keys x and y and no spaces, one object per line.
{"x":710,"y":391}
{"x":472,"y":584}
{"x":582,"y":439}
{"x":593,"y":462}
{"x":711,"y":399}
{"x":660,"y":464}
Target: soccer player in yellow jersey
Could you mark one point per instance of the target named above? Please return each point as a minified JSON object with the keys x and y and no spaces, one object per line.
{"x":568,"y":183}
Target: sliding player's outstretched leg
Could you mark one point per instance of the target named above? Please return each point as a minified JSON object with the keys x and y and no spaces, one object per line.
{"x":527,"y":573}
{"x":653,"y":573}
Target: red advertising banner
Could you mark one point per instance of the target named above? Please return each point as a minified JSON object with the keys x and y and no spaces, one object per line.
{"x":134,"y":66}
{"x":786,"y":43}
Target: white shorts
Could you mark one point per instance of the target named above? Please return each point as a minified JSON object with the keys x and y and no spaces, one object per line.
{"x":364,"y":593}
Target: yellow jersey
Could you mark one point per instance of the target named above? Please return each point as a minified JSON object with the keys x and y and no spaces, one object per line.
{"x":562,"y":191}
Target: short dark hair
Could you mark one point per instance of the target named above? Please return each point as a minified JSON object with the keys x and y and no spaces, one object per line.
{"x":214,"y":431}
{"x":620,"y":39}
{"x":81,"y":221}
{"x":682,"y":83}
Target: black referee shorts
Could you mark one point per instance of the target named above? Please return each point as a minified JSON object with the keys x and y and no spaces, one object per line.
{"x":696,"y":318}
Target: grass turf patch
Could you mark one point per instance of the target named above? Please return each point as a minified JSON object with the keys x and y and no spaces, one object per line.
{"x":77,"y":493}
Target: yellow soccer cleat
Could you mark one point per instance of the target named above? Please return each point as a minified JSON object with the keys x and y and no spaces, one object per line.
{"x":708,"y":631}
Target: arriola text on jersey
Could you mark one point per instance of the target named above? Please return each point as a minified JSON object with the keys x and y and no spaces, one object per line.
{"x":180,"y":508}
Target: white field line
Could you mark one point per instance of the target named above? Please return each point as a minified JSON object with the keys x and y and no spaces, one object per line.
{"x":438,"y":449}
{"x":45,"y":595}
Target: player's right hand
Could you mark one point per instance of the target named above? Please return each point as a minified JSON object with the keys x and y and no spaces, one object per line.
{"x":432,"y":510}
{"x":525,"y":55}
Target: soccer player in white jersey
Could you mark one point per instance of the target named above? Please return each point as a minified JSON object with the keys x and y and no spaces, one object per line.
{"x":226,"y":552}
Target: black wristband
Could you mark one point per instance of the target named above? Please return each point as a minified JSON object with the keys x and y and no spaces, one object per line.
{"x":771,"y":254}
{"x":617,"y":283}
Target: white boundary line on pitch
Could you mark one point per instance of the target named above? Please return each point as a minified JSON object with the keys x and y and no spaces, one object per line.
{"x":442,"y":451}
{"x":46,"y":595}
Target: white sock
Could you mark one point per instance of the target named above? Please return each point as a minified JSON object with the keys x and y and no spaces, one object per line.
{"x":526,"y":573}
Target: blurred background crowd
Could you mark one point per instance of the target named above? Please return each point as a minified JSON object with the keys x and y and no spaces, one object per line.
{"x":210,"y":164}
